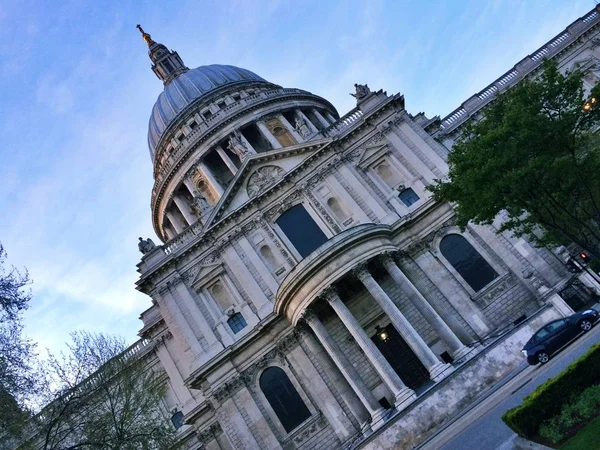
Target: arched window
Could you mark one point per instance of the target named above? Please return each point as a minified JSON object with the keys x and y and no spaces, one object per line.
{"x":269,"y":257}
{"x":385,"y":173}
{"x":337,"y":209}
{"x":302,"y":231}
{"x":467,"y":261}
{"x":237,"y":322}
{"x":177,"y":420}
{"x":220,"y":296}
{"x":283,"y":398}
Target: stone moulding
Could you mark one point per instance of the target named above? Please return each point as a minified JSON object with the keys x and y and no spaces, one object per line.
{"x":311,"y":276}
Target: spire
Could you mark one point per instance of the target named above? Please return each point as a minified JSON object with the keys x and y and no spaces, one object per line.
{"x":167,"y":65}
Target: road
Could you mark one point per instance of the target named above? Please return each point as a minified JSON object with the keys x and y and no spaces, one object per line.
{"x":482,"y":428}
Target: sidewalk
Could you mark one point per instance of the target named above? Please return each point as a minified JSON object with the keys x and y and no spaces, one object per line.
{"x":455,"y":426}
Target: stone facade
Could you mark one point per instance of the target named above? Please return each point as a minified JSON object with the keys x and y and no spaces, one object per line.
{"x":309,"y":292}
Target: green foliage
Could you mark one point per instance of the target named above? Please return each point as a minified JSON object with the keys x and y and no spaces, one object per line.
{"x":578,"y":412}
{"x":549,"y":398}
{"x":101,"y":395}
{"x":534,"y":154}
{"x":587,"y":438}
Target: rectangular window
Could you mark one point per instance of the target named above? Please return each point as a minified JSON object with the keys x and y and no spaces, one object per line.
{"x":408,"y":197}
{"x":302,"y":231}
{"x":237,"y":323}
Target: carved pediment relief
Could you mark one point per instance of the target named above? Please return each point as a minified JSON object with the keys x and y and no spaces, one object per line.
{"x":262,"y":178}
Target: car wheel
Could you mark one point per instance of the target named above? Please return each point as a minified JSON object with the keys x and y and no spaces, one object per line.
{"x":543,"y":357}
{"x":585,"y":325}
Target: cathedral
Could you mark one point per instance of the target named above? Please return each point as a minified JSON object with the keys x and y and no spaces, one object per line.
{"x":308,"y":292}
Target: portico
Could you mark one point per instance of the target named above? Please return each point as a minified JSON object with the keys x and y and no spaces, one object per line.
{"x":316,"y":284}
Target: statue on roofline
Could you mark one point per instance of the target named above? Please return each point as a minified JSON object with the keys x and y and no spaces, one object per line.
{"x":199,"y":204}
{"x":302,"y":128}
{"x":237,"y":145}
{"x":146,"y":245}
{"x":362,"y":90}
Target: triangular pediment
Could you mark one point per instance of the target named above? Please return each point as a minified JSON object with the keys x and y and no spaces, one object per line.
{"x":371,"y":152}
{"x":259,"y":173}
{"x":202,"y":271}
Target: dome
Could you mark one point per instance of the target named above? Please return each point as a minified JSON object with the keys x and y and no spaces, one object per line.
{"x":187,"y":88}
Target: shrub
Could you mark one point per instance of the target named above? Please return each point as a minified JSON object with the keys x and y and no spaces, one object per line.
{"x":549,"y":398}
{"x":574,"y":414}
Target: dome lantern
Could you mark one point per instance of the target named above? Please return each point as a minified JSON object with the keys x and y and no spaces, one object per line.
{"x":167,"y":64}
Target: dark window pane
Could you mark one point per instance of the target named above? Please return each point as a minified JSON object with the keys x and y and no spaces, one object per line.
{"x":237,"y":322}
{"x":302,"y":231}
{"x":177,"y":419}
{"x":408,"y":197}
{"x":168,"y":66}
{"x":467,"y":261}
{"x":283,"y":398}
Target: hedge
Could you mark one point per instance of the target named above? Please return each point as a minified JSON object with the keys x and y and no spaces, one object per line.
{"x":549,"y":398}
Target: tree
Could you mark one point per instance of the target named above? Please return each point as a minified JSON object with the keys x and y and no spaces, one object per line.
{"x":16,"y":352}
{"x":536,"y":155}
{"x":101,"y":395}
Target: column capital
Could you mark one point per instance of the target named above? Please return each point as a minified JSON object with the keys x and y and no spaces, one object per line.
{"x":361,"y":271}
{"x":389,"y":256}
{"x":309,"y":316}
{"x":330,"y":294}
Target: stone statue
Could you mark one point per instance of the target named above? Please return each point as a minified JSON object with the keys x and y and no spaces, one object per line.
{"x":199,"y":204}
{"x":362,"y":90}
{"x":302,"y":128}
{"x":146,"y":245}
{"x":237,"y":145}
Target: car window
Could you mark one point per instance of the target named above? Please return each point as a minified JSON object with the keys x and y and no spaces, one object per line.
{"x":541,"y":334}
{"x":554,"y":326}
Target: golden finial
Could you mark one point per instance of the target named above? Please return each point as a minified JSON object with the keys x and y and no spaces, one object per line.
{"x":145,"y":36}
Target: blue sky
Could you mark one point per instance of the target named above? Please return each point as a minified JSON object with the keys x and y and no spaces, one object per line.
{"x":76,"y":92}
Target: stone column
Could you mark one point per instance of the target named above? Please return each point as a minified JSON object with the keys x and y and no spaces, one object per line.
{"x":226,"y":159}
{"x":320,"y":118}
{"x":190,"y":186}
{"x":330,"y":117}
{"x":267,"y":134}
{"x":290,"y":128}
{"x":435,"y":367}
{"x":403,"y":396}
{"x":308,"y":121}
{"x":185,"y":209}
{"x":169,"y":232}
{"x":204,"y":170}
{"x":431,"y":316}
{"x":182,"y":323}
{"x":175,"y":222}
{"x":376,"y":411}
{"x":214,"y":345}
{"x":181,"y":391}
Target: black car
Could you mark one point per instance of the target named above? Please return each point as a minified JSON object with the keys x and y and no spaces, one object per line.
{"x":555,"y":335}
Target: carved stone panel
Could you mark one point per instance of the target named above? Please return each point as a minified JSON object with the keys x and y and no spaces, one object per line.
{"x":262,"y":178}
